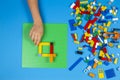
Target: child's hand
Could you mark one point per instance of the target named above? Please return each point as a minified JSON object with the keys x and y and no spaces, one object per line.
{"x":36,"y":33}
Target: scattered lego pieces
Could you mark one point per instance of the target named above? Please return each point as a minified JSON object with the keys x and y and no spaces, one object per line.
{"x":97,"y":33}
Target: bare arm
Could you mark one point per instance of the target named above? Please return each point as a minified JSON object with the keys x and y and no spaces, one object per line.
{"x":37,"y":29}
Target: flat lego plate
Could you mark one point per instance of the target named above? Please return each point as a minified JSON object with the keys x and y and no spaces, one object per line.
{"x":56,"y":33}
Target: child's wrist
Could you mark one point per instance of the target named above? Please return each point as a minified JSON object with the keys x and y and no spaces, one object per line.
{"x":38,"y":23}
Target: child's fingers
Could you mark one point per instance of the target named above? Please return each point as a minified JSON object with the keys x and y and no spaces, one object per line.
{"x":33,"y":36}
{"x":35,"y":39}
{"x":38,"y":40}
{"x":31,"y":33}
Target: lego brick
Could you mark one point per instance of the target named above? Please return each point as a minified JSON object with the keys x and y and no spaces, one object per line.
{"x":110,"y":73}
{"x":116,"y":61}
{"x":48,"y":55}
{"x":106,"y":63}
{"x":95,"y":65}
{"x":79,"y":52}
{"x":91,"y":74}
{"x":100,"y":73}
{"x":75,"y":64}
{"x":71,"y":22}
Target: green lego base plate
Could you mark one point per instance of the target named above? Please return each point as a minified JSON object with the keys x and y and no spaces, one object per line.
{"x":56,"y":33}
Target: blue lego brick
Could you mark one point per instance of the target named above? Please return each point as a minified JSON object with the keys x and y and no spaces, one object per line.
{"x":110,"y":73}
{"x":109,"y":17}
{"x":102,"y":21}
{"x":106,"y":63}
{"x":90,"y":63}
{"x":80,"y":27}
{"x":105,"y":12}
{"x":71,"y":22}
{"x":75,"y":64}
{"x":91,"y":30}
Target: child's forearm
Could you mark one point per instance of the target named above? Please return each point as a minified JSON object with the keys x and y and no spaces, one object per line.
{"x":33,"y":4}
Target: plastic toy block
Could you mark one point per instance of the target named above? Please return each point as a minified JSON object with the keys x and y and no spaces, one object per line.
{"x":91,"y":74}
{"x":106,"y":63}
{"x":95,"y":65}
{"x":115,"y":19}
{"x":76,"y":42}
{"x":103,"y":8}
{"x":80,"y":48}
{"x":51,"y":48}
{"x":77,"y":3}
{"x":91,"y":63}
{"x":113,"y":55}
{"x":99,"y":62}
{"x":116,"y":61}
{"x":110,"y":44}
{"x":100,"y":73}
{"x":108,"y":24}
{"x":48,"y":55}
{"x":42,"y":44}
{"x":83,"y":1}
{"x":118,"y":46}
{"x":71,"y":22}
{"x":74,"y":37}
{"x":110,"y":73}
{"x":79,"y":52}
{"x":107,"y":55}
{"x":101,"y":54}
{"x":75,"y":64}
{"x":98,"y":13}
{"x":105,"y":29}
{"x":109,"y":17}
{"x":73,"y":6}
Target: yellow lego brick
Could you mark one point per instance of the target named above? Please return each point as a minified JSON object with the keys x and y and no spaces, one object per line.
{"x":80,"y":48}
{"x":105,"y":29}
{"x":109,"y":23}
{"x":103,"y":8}
{"x":100,"y":73}
{"x":87,"y":34}
{"x":77,"y":18}
{"x":101,"y":27}
{"x":42,"y":44}
{"x":101,"y":54}
{"x":99,"y":32}
{"x":89,"y":26}
{"x":84,"y":2}
{"x":104,"y":24}
{"x":107,"y":55}
{"x":94,"y":29}
{"x":91,"y":43}
{"x":95,"y":25}
{"x":100,"y":44}
{"x":48,"y":55}
{"x":113,"y":55}
{"x":76,"y":37}
{"x":116,"y":61}
{"x":99,"y":62}
{"x":79,"y":23}
{"x":76,"y":42}
{"x":94,"y":7}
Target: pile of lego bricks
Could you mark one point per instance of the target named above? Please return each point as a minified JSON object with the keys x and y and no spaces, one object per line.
{"x":96,"y":33}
